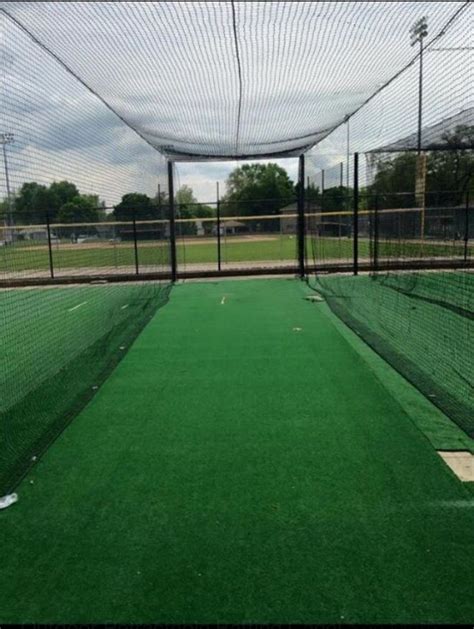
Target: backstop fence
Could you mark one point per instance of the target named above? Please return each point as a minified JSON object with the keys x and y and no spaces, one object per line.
{"x":382,"y":220}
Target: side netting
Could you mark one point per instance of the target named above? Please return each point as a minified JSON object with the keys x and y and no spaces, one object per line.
{"x":416,"y":305}
{"x":80,"y":194}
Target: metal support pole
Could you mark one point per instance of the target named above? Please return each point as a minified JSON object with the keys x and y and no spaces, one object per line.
{"x":341,"y":177}
{"x":9,"y":198}
{"x":301,"y":219}
{"x":420,"y":97}
{"x":466,"y":228}
{"x":218,"y":214}
{"x":322,"y":181}
{"x":171,"y":217}
{"x":50,"y":249}
{"x":347,"y":153}
{"x":135,"y":243}
{"x":376,"y":233}
{"x":355,"y":216}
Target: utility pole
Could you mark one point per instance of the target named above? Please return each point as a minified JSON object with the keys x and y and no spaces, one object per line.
{"x":7,"y":138}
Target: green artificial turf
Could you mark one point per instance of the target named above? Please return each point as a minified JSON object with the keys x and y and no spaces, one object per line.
{"x":243,"y":463}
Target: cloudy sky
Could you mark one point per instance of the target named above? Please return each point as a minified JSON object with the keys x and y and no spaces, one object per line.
{"x":173,"y":76}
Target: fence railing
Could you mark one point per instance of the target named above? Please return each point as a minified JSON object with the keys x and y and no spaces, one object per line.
{"x":385,"y":237}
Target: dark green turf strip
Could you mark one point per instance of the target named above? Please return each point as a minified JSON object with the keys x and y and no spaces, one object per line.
{"x":235,"y":469}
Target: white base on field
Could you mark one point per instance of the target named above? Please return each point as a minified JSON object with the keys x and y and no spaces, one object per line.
{"x":461,"y":463}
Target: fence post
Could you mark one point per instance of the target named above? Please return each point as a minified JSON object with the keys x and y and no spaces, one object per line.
{"x":341,"y":175}
{"x":322,"y":181}
{"x":376,"y":232}
{"x":135,"y":244}
{"x":301,"y":219}
{"x":172,"y":222}
{"x":50,"y":249}
{"x":218,"y":213}
{"x":355,"y":218}
{"x":466,"y":228}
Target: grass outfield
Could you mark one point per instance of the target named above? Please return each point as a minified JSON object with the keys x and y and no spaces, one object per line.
{"x":20,"y":258}
{"x":243,"y":463}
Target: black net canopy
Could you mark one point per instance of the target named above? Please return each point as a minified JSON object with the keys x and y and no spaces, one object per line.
{"x":229,"y":80}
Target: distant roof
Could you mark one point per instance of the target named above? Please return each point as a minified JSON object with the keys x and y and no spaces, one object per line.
{"x":293,"y":207}
{"x":232,"y":223}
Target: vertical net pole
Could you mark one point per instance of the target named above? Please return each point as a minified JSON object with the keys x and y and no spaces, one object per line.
{"x":135,"y":243}
{"x":376,"y":233}
{"x":466,"y":228}
{"x":172,"y":222}
{"x":301,"y":217}
{"x":50,"y":249}
{"x":341,"y":177}
{"x":355,"y":218}
{"x":218,"y":213}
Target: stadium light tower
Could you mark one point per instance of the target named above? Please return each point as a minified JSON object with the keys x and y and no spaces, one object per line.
{"x":7,"y":138}
{"x":418,"y":32}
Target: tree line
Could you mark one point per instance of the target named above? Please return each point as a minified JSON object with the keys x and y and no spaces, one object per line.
{"x":257,"y":189}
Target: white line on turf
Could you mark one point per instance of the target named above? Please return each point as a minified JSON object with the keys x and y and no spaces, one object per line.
{"x":123,"y":307}
{"x":78,"y":306}
{"x":223,"y":301}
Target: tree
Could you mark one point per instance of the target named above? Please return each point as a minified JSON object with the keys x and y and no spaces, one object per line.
{"x":32,"y":204}
{"x":258,"y":189}
{"x":135,"y":205}
{"x":450,"y":173}
{"x":81,"y":209}
{"x":62,"y":192}
{"x":185,"y":197}
{"x":35,"y":201}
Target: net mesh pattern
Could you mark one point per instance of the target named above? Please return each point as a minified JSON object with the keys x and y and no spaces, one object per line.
{"x":67,"y":161}
{"x":201,"y":80}
{"x":416,"y":306}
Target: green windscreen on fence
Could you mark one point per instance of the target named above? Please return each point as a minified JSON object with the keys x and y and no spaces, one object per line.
{"x":59,"y":344}
{"x":421,"y":322}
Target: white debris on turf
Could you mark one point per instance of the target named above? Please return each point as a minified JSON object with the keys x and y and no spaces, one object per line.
{"x":8,"y":500}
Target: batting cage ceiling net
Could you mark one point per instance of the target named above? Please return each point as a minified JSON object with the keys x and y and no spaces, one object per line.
{"x":222,"y":80}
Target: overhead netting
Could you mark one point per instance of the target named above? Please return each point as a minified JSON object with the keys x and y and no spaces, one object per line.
{"x":221,"y":79}
{"x":83,"y":201}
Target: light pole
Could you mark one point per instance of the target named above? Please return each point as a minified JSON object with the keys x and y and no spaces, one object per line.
{"x":7,"y":138}
{"x":418,"y":32}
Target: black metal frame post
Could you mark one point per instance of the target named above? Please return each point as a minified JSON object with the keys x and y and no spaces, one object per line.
{"x":171,"y":216}
{"x":218,"y":215}
{"x":355,"y":215}
{"x":420,"y":97}
{"x":50,"y":249}
{"x":301,"y":219}
{"x":135,"y":243}
{"x":341,"y":175}
{"x":466,"y":228}
{"x":376,"y":233}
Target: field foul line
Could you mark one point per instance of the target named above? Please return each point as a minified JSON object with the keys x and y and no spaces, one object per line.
{"x":78,"y":306}
{"x":223,"y":301}
{"x":123,"y":307}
